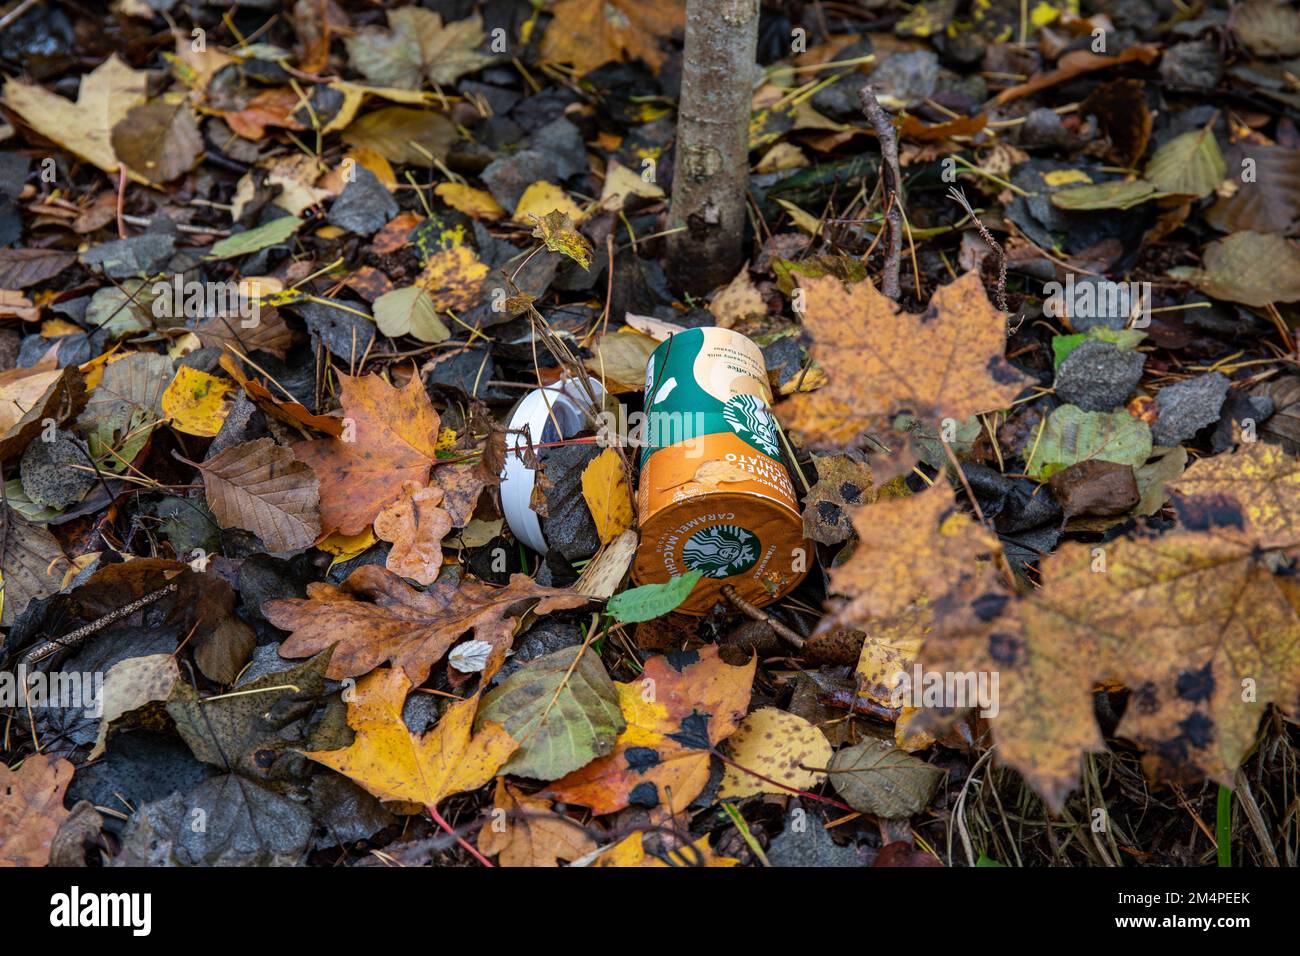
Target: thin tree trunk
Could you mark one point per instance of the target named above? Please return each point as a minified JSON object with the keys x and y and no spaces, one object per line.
{"x":711,"y":166}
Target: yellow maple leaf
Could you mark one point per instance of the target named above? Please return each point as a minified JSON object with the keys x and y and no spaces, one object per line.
{"x":395,"y":765}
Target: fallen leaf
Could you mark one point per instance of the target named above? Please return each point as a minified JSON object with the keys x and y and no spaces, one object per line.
{"x":555,"y":229}
{"x":1072,"y":435}
{"x":1078,"y":63}
{"x":786,"y":749}
{"x":31,"y":808}
{"x":159,"y":140}
{"x":631,"y":852}
{"x":417,"y":45}
{"x":475,"y":203}
{"x":197,"y":403}
{"x":1189,"y":165}
{"x":107,"y":95}
{"x":408,"y":628}
{"x":403,"y":135}
{"x":415,"y":524}
{"x":395,"y":765}
{"x":530,"y":832}
{"x":683,"y":705}
{"x":921,"y":545}
{"x":133,"y":685}
{"x":562,"y":708}
{"x":876,"y":777}
{"x":410,"y":311}
{"x":393,"y":437}
{"x":259,"y":487}
{"x":540,"y":202}
{"x":740,"y":300}
{"x":588,"y":33}
{"x":605,"y":489}
{"x":31,"y":562}
{"x":957,"y":368}
{"x":1253,"y":268}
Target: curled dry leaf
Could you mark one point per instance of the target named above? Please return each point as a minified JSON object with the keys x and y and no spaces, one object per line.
{"x":376,"y":617}
{"x":415,"y":524}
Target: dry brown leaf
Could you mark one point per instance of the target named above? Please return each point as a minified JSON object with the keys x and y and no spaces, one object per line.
{"x":32,"y":564}
{"x":270,"y":334}
{"x":292,"y":412}
{"x":415,"y":524}
{"x":376,"y":617}
{"x":1077,"y":63}
{"x":588,"y":33}
{"x":738,"y":301}
{"x":85,"y":127}
{"x":31,"y":808}
{"x":393,"y":436}
{"x":530,"y":833}
{"x":462,"y":484}
{"x":946,"y":362}
{"x":259,"y":487}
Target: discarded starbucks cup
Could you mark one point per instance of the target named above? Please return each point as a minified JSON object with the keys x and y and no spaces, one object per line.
{"x":714,"y":495}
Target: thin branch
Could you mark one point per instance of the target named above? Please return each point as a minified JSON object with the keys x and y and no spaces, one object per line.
{"x":890,"y":179}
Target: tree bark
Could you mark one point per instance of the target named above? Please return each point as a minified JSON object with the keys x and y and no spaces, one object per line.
{"x":711,"y":165}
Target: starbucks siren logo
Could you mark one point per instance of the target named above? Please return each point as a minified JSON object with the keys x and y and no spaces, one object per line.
{"x":749,"y":418}
{"x":721,"y":551}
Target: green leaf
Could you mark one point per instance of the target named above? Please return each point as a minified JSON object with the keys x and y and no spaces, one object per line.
{"x":652,"y":600}
{"x":1063,"y":345}
{"x":410,"y":311}
{"x":1113,"y":195}
{"x":564,"y":716}
{"x":1188,"y":165}
{"x":1126,"y":339}
{"x":1072,"y":435}
{"x":267,"y":234}
{"x":986,"y":860}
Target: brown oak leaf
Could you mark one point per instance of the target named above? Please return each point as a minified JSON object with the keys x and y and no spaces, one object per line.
{"x":376,"y":617}
{"x":415,"y":524}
